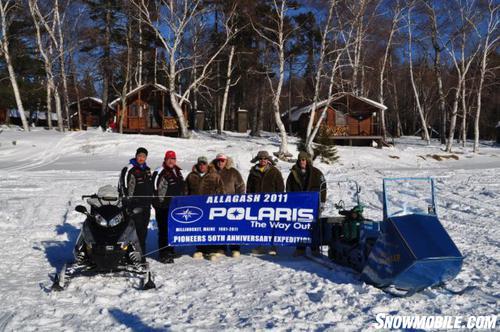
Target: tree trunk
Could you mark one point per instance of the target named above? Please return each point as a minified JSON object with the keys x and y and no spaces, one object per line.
{"x":49,"y":105}
{"x":317,"y":82}
{"x":10,"y":68}
{"x":139,"y":80}
{"x":77,"y":91}
{"x":174,"y":99}
{"x":417,"y":99}
{"x":488,"y":46}
{"x":62,"y":58}
{"x":106,"y":62}
{"x":283,"y":150}
{"x":453,"y":119}
{"x":395,"y":20}
{"x":464,"y":115}
{"x":226,"y":90}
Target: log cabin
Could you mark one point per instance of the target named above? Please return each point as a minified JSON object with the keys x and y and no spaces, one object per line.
{"x":350,"y":120}
{"x":90,"y":108}
{"x":149,"y":111}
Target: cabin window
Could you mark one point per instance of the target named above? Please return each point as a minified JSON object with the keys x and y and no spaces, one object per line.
{"x":169,"y":111}
{"x":340,"y":119}
{"x":133,"y":110}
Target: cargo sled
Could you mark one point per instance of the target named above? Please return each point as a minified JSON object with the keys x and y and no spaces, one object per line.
{"x":409,"y":250}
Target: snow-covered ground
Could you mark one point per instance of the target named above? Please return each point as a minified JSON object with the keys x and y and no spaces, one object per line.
{"x":43,"y":175}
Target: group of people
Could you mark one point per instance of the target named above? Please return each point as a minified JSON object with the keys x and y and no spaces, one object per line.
{"x":144,"y":188}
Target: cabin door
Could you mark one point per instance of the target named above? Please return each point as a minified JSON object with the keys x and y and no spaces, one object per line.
{"x":152,"y":116}
{"x":137,"y":115}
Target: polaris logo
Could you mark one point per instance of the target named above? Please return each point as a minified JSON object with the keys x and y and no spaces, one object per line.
{"x":187,"y":214}
{"x":265,"y":213}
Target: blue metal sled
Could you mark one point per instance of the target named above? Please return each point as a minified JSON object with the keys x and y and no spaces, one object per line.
{"x":413,"y":250}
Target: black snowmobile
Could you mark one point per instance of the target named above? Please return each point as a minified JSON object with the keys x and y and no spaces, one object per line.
{"x":107,"y":242}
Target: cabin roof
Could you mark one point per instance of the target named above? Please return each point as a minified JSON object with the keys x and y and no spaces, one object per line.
{"x":141,"y":87}
{"x":296,"y":112}
{"x":94,"y":99}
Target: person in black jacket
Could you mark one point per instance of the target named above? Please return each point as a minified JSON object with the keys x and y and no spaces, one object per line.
{"x":135,"y":184}
{"x":305,"y":177}
{"x":167,"y":182}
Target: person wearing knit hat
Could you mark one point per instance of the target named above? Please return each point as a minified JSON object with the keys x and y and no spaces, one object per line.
{"x":305,"y":177}
{"x":135,"y":183}
{"x":264,"y":177}
{"x":233,"y":184}
{"x":167,"y":182}
{"x":141,"y":150}
{"x":170,"y":155}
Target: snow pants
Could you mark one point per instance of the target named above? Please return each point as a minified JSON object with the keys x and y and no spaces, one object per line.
{"x":162,"y":221}
{"x":141,"y":222}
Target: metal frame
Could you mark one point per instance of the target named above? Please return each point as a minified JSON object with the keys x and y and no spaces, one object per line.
{"x":429,"y":179}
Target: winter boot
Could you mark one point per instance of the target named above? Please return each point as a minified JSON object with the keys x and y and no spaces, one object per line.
{"x":315,"y":252}
{"x":273,"y":251}
{"x":213,"y":256}
{"x":168,"y":259}
{"x":299,"y":252}
{"x":198,"y":255}
{"x":260,"y":250}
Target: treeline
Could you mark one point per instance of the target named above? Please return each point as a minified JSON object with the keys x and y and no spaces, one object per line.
{"x":433,"y":63}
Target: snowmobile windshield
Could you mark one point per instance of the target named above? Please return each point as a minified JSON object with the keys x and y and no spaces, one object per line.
{"x":403,"y":196}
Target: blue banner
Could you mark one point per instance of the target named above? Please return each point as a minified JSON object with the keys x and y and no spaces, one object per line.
{"x":284,"y":219}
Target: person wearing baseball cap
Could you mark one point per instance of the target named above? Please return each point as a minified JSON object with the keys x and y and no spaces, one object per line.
{"x":167,"y":182}
{"x":135,"y":184}
{"x":233,"y":184}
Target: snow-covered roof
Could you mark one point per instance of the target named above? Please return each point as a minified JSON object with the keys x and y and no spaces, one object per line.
{"x":372,"y":102}
{"x":43,"y":115}
{"x":295,"y":112}
{"x":97,"y":100}
{"x":140,"y":87}
{"x":14,"y":113}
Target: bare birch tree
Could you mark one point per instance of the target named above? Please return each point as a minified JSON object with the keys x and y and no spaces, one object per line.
{"x":226,"y":89}
{"x":46,"y":52}
{"x":396,"y":18}
{"x":62,"y":59}
{"x":277,"y":38}
{"x":461,"y":62}
{"x":170,"y":27}
{"x":127,"y":78}
{"x":438,"y":49}
{"x":317,"y":84}
{"x":491,"y":39}
{"x":420,"y":110}
{"x":6,"y":6}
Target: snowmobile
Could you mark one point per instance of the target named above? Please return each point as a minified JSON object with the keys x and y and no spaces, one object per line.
{"x":107,"y":242}
{"x":408,"y":251}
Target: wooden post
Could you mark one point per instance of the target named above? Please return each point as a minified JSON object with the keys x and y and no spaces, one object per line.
{"x":162,"y":110}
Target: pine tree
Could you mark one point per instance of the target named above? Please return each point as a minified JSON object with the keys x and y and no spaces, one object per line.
{"x":323,"y":147}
